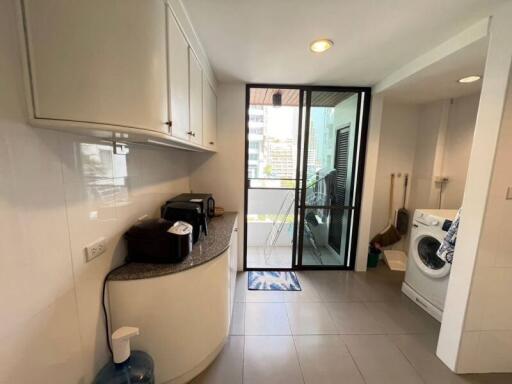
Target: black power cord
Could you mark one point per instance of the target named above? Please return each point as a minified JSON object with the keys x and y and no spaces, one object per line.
{"x":105,"y":313}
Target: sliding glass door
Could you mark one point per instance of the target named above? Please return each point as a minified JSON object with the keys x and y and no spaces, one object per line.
{"x":305,"y":151}
{"x":329,"y":178}
{"x":273,"y":135}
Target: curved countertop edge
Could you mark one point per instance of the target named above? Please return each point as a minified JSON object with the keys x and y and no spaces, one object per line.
{"x":206,"y":249}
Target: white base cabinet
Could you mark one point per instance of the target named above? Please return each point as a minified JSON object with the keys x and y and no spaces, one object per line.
{"x":184,"y":318}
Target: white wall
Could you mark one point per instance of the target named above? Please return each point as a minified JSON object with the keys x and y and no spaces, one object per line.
{"x":429,"y":150}
{"x":467,"y":345}
{"x":424,"y":141}
{"x":459,"y":138}
{"x":56,"y":196}
{"x":486,"y":344}
{"x":443,"y":146}
{"x":222,"y":173}
{"x":396,"y":155}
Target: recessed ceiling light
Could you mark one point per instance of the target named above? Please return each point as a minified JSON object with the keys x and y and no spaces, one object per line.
{"x":469,"y":79}
{"x":321,"y":45}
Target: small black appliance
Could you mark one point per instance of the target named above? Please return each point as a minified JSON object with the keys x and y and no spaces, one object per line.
{"x":204,"y":200}
{"x":158,"y":241}
{"x":187,"y":212}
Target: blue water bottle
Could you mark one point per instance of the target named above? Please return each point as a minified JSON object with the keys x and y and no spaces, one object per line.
{"x":127,"y":367}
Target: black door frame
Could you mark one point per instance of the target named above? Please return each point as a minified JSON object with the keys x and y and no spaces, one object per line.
{"x":362,"y":121}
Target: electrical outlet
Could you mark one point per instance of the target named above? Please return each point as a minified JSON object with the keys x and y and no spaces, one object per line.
{"x":95,"y":249}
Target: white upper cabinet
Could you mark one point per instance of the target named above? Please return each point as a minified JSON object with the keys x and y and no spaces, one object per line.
{"x":178,"y":80}
{"x":209,"y":117}
{"x":196,"y":99}
{"x":117,"y":69}
{"x":98,"y":63}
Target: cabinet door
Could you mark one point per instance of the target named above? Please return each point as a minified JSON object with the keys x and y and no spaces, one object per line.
{"x":98,"y":62}
{"x":178,"y":80}
{"x":209,"y":116}
{"x":196,"y":99}
{"x":233,"y":261}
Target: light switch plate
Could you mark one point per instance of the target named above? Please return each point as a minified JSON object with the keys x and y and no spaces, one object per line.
{"x":509,"y":193}
{"x":95,"y":249}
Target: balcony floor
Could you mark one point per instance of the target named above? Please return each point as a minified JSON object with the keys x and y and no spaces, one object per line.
{"x":281,"y":257}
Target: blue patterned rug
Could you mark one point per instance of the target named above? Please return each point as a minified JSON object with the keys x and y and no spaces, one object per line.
{"x":273,"y":281}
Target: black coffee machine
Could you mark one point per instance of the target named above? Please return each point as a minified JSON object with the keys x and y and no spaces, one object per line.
{"x":205,"y":202}
{"x":189,"y":213}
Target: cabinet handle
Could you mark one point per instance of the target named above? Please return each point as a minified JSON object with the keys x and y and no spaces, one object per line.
{"x":193,"y":134}
{"x":169,"y":126}
{"x":235,"y":230}
{"x":211,"y":142}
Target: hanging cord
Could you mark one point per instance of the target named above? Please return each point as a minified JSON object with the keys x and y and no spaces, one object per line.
{"x":105,"y":313}
{"x":441,"y":193}
{"x":391,"y":199}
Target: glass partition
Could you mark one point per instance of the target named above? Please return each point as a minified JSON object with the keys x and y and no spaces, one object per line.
{"x":304,"y":162}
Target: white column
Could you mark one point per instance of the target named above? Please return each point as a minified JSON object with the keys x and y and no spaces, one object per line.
{"x":450,"y":347}
{"x":370,"y":173}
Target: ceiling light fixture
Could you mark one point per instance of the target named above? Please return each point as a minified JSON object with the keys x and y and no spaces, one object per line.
{"x":469,"y":79}
{"x":321,"y":45}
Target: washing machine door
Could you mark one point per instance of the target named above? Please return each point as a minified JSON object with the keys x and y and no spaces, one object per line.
{"x":425,"y":256}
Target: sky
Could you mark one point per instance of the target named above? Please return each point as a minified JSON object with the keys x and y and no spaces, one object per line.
{"x":282,"y":122}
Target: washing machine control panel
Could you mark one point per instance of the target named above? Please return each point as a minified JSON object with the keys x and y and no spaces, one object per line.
{"x":427,"y":220}
{"x":433,"y":221}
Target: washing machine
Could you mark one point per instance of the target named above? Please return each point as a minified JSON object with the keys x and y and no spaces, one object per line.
{"x":426,"y":276}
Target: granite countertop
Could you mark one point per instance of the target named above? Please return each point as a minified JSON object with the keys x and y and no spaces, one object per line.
{"x":206,"y":249}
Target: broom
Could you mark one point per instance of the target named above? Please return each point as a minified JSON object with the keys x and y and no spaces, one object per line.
{"x":388,"y":235}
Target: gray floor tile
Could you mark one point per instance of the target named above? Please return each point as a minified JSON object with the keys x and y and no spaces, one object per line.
{"x":228,"y":367}
{"x":353,"y":318}
{"x":334,"y":286}
{"x":266,"y":319}
{"x":241,"y":286}
{"x":264,"y":296}
{"x":419,"y":349}
{"x":402,"y":316}
{"x":380,"y":361}
{"x":310,"y":319}
{"x":487,"y":378}
{"x":326,"y":360}
{"x":359,"y":305}
{"x":271,"y":360}
{"x":307,"y":295}
{"x":371,"y":289}
{"x":238,"y":319}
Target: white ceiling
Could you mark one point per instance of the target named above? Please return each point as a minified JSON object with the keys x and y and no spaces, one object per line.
{"x":439,"y":81}
{"x":266,"y":41}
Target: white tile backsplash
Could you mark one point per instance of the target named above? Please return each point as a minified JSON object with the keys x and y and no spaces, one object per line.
{"x":46,"y":348}
{"x":58,"y":193}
